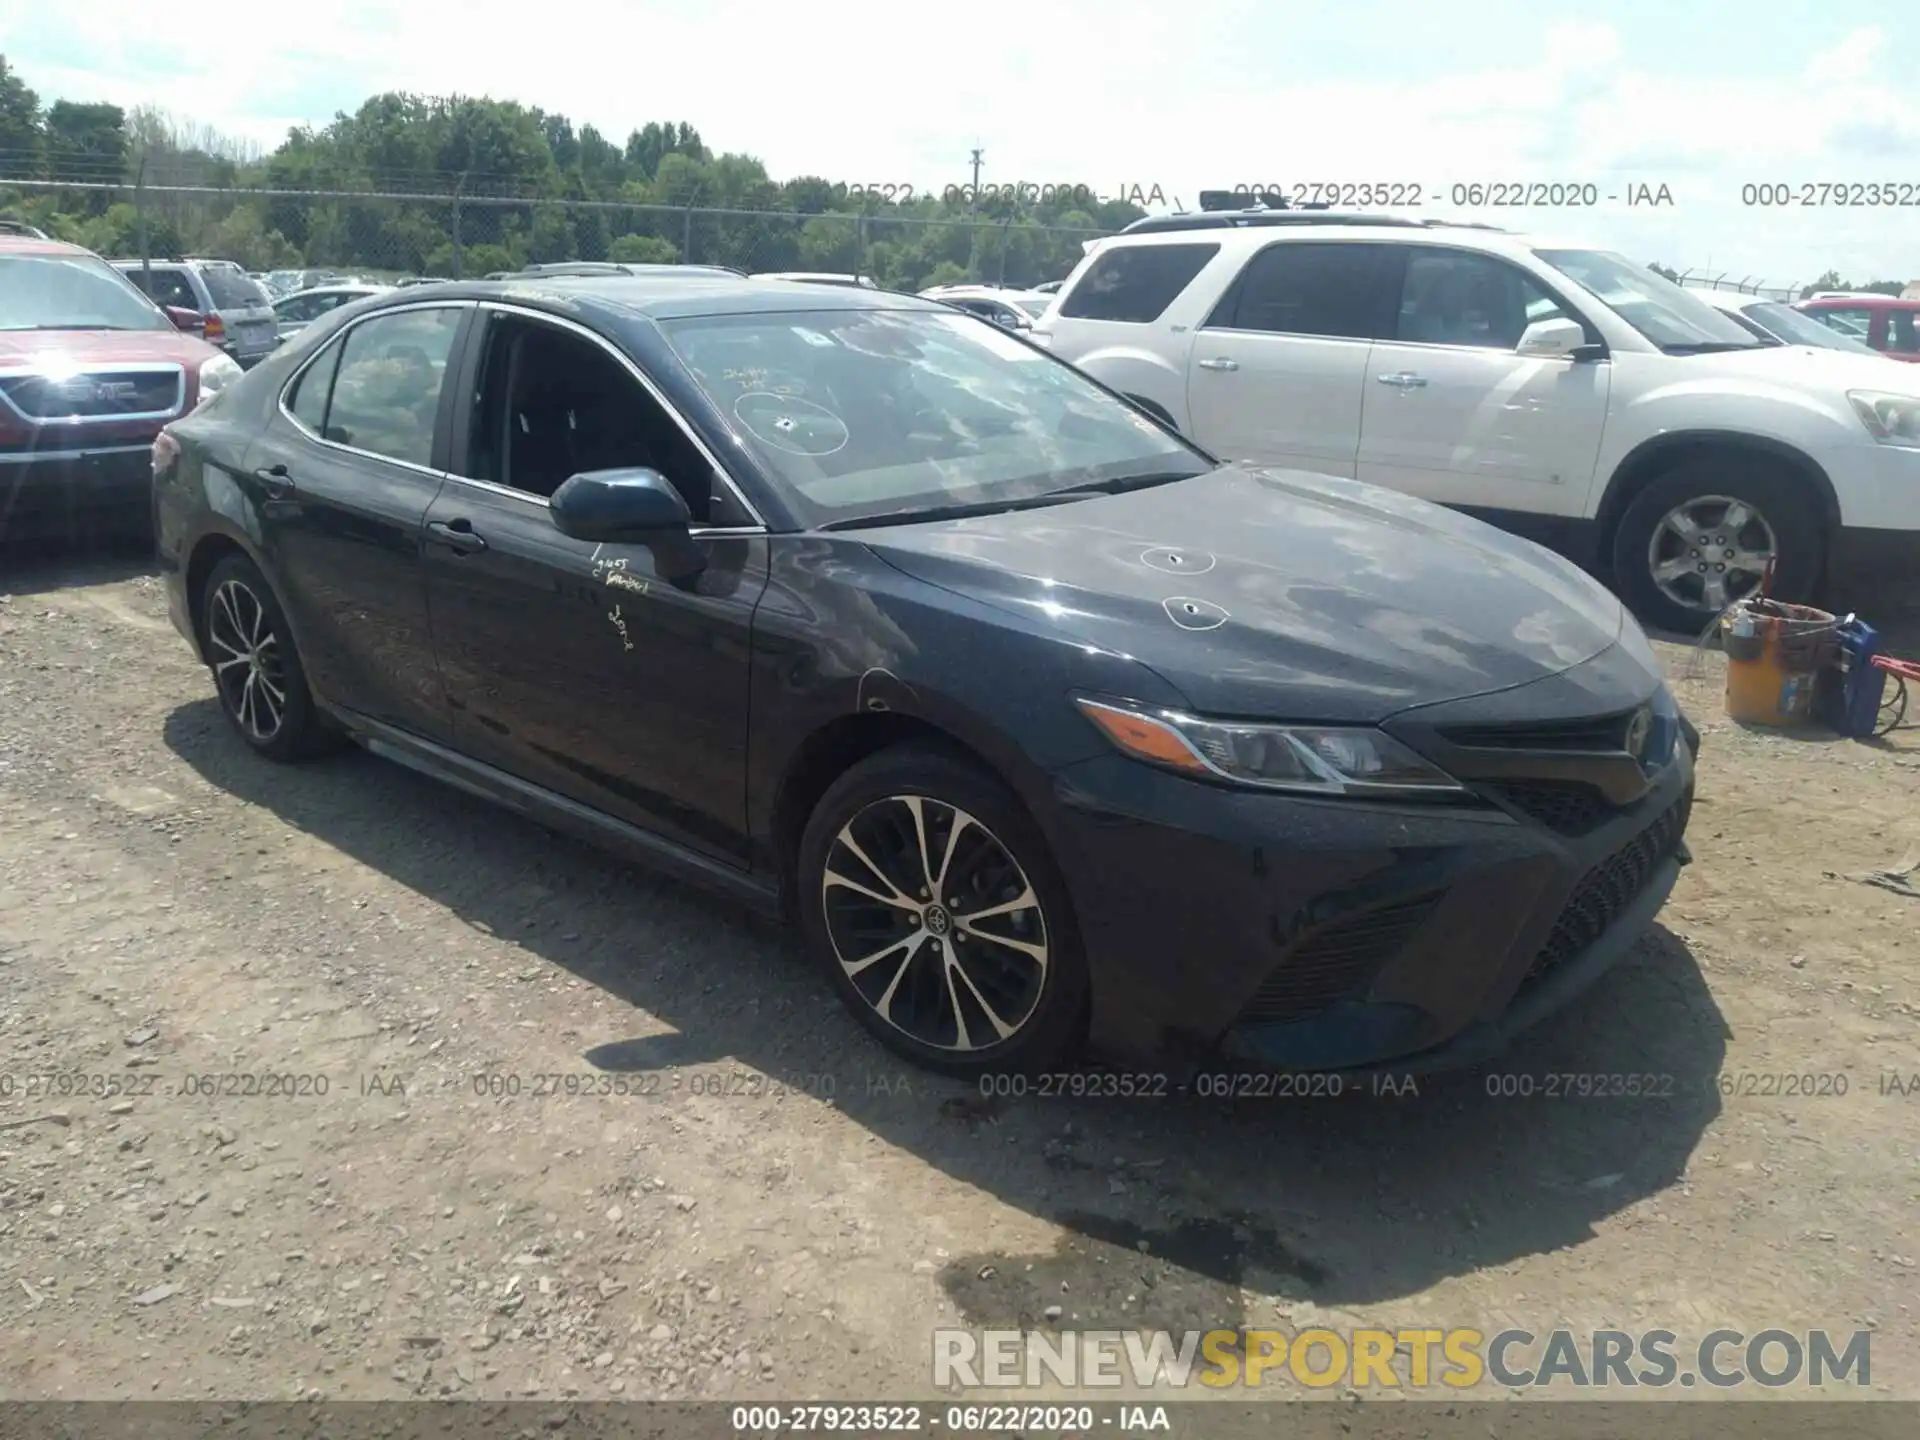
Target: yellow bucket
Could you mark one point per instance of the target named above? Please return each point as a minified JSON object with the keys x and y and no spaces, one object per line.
{"x":1775,"y":653}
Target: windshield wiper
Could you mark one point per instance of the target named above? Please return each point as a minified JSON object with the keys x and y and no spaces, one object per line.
{"x":1123,"y":483}
{"x":1713,"y":347}
{"x":931,"y":513}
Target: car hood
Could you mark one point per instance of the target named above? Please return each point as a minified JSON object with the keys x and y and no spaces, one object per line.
{"x":22,"y":348}
{"x":1278,"y":593}
{"x":1808,"y":365}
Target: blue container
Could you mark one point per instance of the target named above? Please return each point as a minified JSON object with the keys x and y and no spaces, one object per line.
{"x":1849,"y":695}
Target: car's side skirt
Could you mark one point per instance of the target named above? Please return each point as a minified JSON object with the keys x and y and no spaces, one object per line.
{"x":559,"y":811}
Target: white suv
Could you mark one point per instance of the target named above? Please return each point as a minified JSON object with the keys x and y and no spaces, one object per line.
{"x":1568,"y":394}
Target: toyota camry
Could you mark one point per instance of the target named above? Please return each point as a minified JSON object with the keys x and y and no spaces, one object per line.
{"x":1046,"y":728}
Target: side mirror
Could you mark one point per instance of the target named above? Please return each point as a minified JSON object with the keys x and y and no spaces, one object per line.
{"x":630,"y":507}
{"x":1554,"y":339}
{"x":191,"y":321}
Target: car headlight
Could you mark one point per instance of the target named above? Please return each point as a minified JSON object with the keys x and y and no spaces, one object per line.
{"x":1890,"y":419}
{"x":1312,"y":759}
{"x":216,"y":375}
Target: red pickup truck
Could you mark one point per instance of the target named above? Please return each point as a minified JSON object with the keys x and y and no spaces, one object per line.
{"x":1890,"y":326}
{"x":90,"y":370}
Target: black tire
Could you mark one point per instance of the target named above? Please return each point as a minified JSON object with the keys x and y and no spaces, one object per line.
{"x":237,"y":605}
{"x":1783,"y":506}
{"x":1041,"y":979}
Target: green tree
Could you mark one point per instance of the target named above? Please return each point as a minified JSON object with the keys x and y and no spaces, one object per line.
{"x":21,"y":135}
{"x":86,"y":142}
{"x":644,"y":250}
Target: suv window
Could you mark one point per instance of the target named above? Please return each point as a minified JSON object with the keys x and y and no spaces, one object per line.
{"x":168,"y":286}
{"x":232,"y":290}
{"x":1903,"y":331}
{"x":1456,"y":297}
{"x":1135,"y":283}
{"x":1339,"y":290}
{"x":553,"y":405}
{"x":386,"y":394}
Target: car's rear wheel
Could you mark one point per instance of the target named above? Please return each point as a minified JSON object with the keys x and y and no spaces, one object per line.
{"x":1703,"y":535}
{"x":256,"y":669}
{"x":931,"y":897}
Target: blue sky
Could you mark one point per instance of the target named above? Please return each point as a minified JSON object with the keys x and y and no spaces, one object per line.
{"x":1700,"y":97}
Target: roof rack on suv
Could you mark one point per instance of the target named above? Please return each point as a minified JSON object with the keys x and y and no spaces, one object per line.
{"x":618,"y":267}
{"x":20,"y":227}
{"x":1262,"y":215}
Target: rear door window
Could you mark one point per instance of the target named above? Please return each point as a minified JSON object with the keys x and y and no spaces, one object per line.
{"x":167,"y":286}
{"x":386,"y":395}
{"x":1135,"y":284}
{"x":1344,"y":291}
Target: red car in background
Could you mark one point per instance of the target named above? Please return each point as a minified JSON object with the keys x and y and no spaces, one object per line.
{"x":90,"y":371}
{"x":1890,"y":326}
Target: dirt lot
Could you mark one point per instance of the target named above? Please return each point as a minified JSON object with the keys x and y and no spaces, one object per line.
{"x":416,"y":1220}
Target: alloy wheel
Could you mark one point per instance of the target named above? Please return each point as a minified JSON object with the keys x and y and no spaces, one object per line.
{"x":1710,"y":551}
{"x":248,"y":664}
{"x":935,"y":924}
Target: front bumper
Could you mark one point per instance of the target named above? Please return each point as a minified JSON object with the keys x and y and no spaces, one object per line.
{"x":54,"y":492}
{"x":1292,"y":933}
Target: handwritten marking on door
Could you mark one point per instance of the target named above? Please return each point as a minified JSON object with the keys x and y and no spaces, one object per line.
{"x":624,"y":581}
{"x":620,"y":624}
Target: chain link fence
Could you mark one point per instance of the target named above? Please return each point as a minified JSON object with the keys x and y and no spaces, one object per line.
{"x":454,"y":235}
{"x":1742,"y":285}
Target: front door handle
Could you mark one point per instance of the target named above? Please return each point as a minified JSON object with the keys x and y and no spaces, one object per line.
{"x":1404,"y":380}
{"x":1220,"y":364}
{"x":279,"y":484}
{"x":456,"y":535}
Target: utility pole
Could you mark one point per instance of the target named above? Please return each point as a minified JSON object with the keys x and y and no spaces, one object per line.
{"x":973,"y":203}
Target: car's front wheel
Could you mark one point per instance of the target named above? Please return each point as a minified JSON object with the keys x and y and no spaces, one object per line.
{"x":932,"y":899}
{"x":1703,"y":536}
{"x":250,"y":650}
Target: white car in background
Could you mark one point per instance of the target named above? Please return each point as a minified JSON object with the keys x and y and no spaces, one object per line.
{"x":1569,"y":394}
{"x":1777,"y":320}
{"x":1008,"y":308}
{"x":293,"y":313}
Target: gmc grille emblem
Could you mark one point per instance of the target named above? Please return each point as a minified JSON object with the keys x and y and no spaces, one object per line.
{"x":1638,"y":729}
{"x":84,"y":387}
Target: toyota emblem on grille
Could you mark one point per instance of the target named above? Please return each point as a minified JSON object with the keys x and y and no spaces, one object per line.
{"x":1638,"y":728}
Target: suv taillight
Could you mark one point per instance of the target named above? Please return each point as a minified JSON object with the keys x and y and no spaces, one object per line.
{"x":215,"y":331}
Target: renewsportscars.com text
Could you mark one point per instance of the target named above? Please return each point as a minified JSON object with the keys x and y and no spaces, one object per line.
{"x":1364,"y":1359}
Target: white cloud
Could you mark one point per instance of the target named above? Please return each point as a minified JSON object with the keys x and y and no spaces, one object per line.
{"x":1133,"y":92}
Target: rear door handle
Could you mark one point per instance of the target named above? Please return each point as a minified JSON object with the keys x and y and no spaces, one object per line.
{"x":1221,"y":364}
{"x":1404,"y":380}
{"x":456,"y":535}
{"x":279,"y":484}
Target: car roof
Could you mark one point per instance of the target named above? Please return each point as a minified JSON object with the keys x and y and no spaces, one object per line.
{"x":1854,"y":302}
{"x":1260,"y":228}
{"x":662,"y":297}
{"x":1723,"y":299}
{"x":14,"y":244}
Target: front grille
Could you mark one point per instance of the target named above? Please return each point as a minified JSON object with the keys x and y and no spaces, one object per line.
{"x":1566,"y":807}
{"x":1337,"y":961}
{"x":1608,"y":889}
{"x":95,"y":394}
{"x":1599,"y":732}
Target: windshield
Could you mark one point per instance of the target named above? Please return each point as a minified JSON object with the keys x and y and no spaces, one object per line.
{"x":1798,"y":329}
{"x":1677,"y":322}
{"x":869,"y":412}
{"x":71,"y":292}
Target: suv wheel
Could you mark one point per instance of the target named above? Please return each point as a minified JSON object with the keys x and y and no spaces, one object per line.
{"x":256,"y":669}
{"x":933,"y":901}
{"x":1701,"y":537}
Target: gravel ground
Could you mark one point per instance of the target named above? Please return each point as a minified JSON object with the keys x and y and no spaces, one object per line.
{"x":516,"y":1120}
